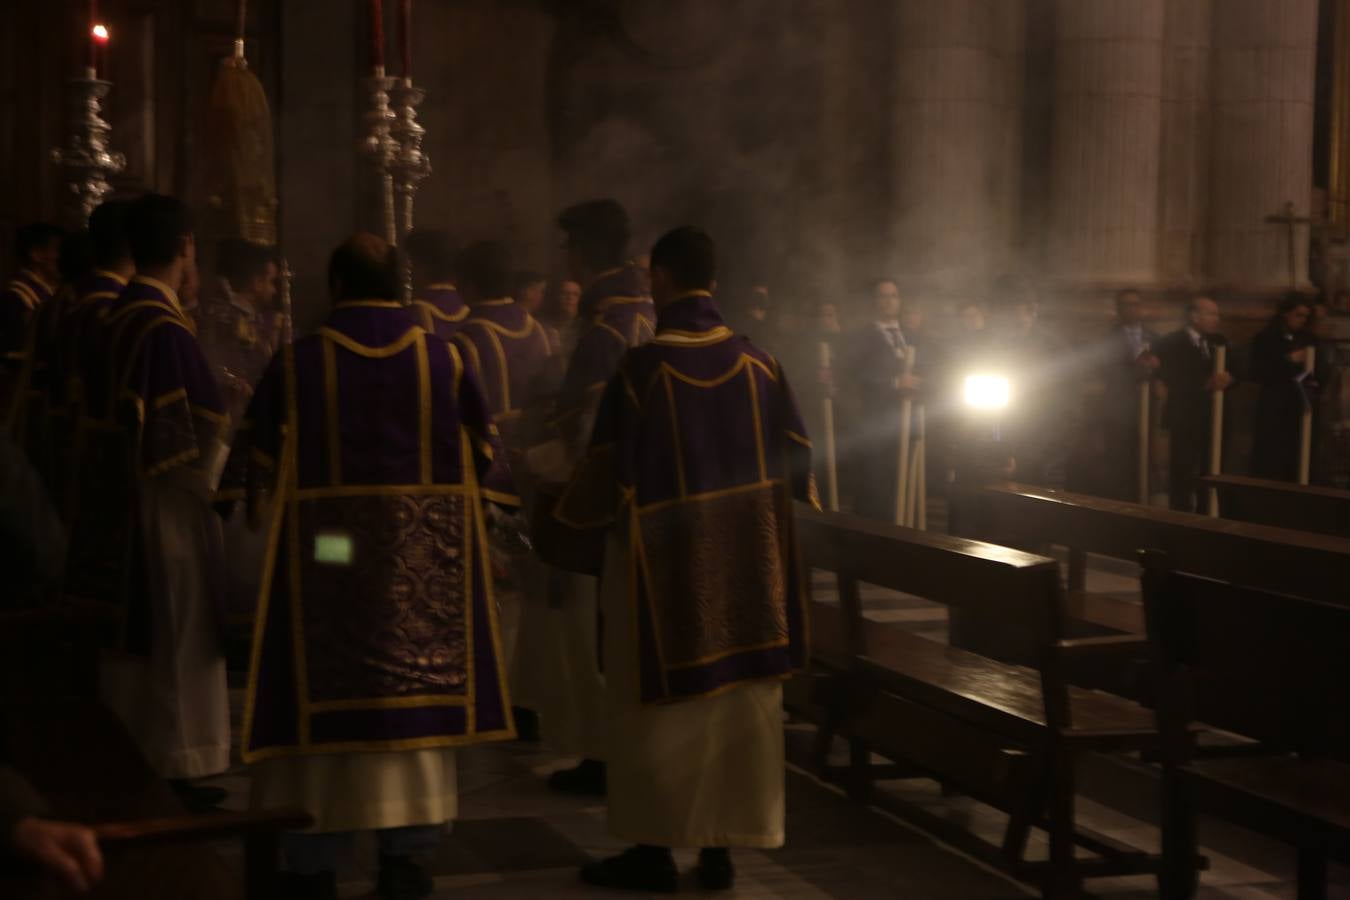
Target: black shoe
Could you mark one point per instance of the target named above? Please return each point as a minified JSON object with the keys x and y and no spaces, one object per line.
{"x":715,"y":871}
{"x":198,"y":798}
{"x":322,"y":886}
{"x":527,"y":724}
{"x":403,"y":879}
{"x":650,"y":869}
{"x":587,"y":778}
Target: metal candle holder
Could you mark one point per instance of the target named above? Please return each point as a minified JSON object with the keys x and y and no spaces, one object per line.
{"x":410,"y":165}
{"x":85,"y":159}
{"x":380,"y":146}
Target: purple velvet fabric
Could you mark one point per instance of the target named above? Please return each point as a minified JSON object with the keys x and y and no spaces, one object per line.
{"x":507,"y":349}
{"x":394,"y":646}
{"x":440,"y":310}
{"x":697,"y":451}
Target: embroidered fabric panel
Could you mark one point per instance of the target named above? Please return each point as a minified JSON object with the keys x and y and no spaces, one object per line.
{"x":392,"y":622}
{"x":715,"y":571}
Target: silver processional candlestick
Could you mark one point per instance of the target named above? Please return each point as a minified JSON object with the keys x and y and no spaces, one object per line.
{"x":380,"y":146}
{"x":85,"y":158}
{"x":410,"y":164}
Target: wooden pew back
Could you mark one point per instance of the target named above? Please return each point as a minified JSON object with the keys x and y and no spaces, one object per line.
{"x":1267,"y":666}
{"x":1281,"y":504}
{"x":998,"y":584}
{"x":1295,"y":562}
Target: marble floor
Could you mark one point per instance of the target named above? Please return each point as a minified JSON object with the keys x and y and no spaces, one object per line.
{"x":517,"y":839}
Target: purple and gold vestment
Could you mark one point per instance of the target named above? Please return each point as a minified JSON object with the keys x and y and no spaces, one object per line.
{"x":376,"y":625}
{"x":697,"y":453}
{"x":440,"y":310}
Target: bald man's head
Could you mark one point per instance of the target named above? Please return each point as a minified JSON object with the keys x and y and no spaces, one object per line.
{"x":364,"y":267}
{"x":1202,"y":314}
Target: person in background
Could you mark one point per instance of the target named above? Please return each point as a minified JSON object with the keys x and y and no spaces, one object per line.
{"x":1278,"y":357}
{"x":237,"y":330}
{"x":1127,"y":361}
{"x":1036,"y":422}
{"x":875,"y":363}
{"x":436,"y":302}
{"x":1186,"y":367}
{"x":37,"y":252}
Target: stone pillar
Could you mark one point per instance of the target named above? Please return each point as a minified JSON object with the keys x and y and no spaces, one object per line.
{"x":956,"y":140}
{"x":1184,"y":165}
{"x":1264,"y":53}
{"x":1108,"y":124}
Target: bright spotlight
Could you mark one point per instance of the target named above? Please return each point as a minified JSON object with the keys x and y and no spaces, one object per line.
{"x":987,"y":392}
{"x":100,"y":33}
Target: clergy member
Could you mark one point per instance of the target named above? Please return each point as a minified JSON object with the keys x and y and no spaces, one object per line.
{"x":376,"y":647}
{"x":168,"y":683}
{"x":559,"y":675}
{"x":436,"y":301}
{"x":697,"y":453}
{"x":507,"y":349}
{"x":1278,"y":364}
{"x":37,"y":250}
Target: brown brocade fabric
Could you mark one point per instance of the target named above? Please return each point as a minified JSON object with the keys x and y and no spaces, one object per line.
{"x":715,"y":574}
{"x":393,"y":623}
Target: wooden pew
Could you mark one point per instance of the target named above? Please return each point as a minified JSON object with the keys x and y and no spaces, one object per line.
{"x":1282,"y":504}
{"x":1003,"y":734}
{"x":88,"y":769}
{"x":1270,"y":667}
{"x":1295,"y":562}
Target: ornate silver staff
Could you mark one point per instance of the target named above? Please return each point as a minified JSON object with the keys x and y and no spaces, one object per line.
{"x":85,"y":158}
{"x":410,"y":165}
{"x":380,"y":146}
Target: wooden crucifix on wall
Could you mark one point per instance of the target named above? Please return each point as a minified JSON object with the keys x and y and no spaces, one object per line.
{"x":1290,"y":218}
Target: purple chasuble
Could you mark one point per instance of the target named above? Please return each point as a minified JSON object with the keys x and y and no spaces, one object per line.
{"x":163,"y":390}
{"x":376,"y":624}
{"x":508,"y":349}
{"x":618,"y":315}
{"x":440,"y":310}
{"x":697,"y":453}
{"x":23,"y":296}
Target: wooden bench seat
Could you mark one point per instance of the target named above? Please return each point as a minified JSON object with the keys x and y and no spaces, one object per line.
{"x":1272,"y":668}
{"x":1001,"y":733}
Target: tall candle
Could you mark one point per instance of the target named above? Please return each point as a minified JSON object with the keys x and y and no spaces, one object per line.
{"x":405,"y":36}
{"x":93,"y":44}
{"x":377,"y":34}
{"x":99,"y":42}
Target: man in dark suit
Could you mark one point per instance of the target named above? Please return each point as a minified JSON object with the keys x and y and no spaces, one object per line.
{"x":1127,"y":361}
{"x":1186,"y":367}
{"x":875,"y":369}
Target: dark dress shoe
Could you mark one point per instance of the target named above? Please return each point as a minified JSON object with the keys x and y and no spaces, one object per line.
{"x":403,"y":879}
{"x":322,"y":886}
{"x":715,"y":870}
{"x":199,"y":798}
{"x":527,"y":724}
{"x":650,"y":869}
{"x":587,"y":779}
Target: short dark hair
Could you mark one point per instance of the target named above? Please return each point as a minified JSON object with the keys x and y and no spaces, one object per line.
{"x":599,"y":230}
{"x":77,"y":257}
{"x":1292,"y":300}
{"x":526,"y":278}
{"x":485,"y":268}
{"x":364,"y":267}
{"x":1125,"y":292}
{"x":432,"y":252}
{"x":156,"y":226}
{"x":689,"y":255}
{"x":34,"y":236}
{"x":1193,"y":303}
{"x":240,"y":261}
{"x":108,"y":233}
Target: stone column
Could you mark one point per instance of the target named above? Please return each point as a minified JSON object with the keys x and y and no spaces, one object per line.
{"x":1184,"y":166}
{"x":1108,"y":124}
{"x":956,"y":140}
{"x":1264,"y":54}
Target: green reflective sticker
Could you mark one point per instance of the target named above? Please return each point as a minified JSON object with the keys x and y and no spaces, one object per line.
{"x":333,"y":548}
